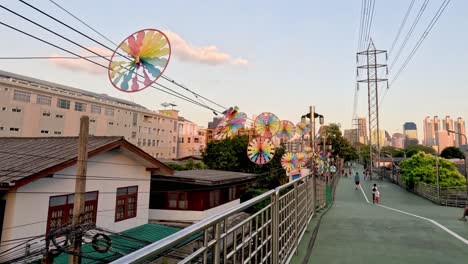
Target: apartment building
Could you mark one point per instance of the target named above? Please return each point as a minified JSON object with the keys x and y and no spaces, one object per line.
{"x":31,"y":107}
{"x":191,"y":138}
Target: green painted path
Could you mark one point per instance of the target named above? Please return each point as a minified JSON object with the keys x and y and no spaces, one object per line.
{"x":354,"y":231}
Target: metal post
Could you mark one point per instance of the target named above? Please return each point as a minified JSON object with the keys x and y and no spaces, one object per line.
{"x":216,"y":247}
{"x":312,"y":145}
{"x":437,"y":176}
{"x":275,"y":227}
{"x":80,"y":188}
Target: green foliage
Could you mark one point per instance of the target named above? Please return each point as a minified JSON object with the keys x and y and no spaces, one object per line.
{"x":251,"y":193}
{"x":412,"y":150}
{"x":340,"y":146}
{"x":395,"y":152}
{"x":452,"y":153}
{"x":421,"y":167}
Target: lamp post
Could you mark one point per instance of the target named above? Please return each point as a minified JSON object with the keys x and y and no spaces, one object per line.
{"x":464,"y":153}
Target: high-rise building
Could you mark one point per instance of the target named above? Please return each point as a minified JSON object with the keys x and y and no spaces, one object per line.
{"x":445,"y":140}
{"x":398,"y":140}
{"x":459,"y":127}
{"x":437,"y":127}
{"x":381,"y":139}
{"x":362,"y":130}
{"x":31,"y":107}
{"x":411,"y":134}
{"x":429,"y":132}
{"x":447,"y":124}
{"x":349,"y":135}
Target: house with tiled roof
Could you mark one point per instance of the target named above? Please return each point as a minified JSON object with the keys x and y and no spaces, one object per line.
{"x":37,"y":185}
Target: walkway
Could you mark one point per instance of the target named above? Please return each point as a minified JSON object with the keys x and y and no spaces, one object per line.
{"x":354,"y":231}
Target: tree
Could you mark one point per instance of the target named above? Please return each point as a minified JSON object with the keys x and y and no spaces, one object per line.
{"x":452,"y":153}
{"x":340,"y":146}
{"x":421,"y":168}
{"x":395,"y":152}
{"x":412,"y":150}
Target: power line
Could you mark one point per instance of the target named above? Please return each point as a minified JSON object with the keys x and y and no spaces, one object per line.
{"x":369,"y":28}
{"x":92,"y":39}
{"x":361,"y":23}
{"x":172,"y":92}
{"x":410,"y":32}
{"x":422,"y":38}
{"x":49,"y":57}
{"x":401,"y":26}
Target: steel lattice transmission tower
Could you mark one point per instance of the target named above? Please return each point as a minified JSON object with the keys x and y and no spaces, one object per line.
{"x":373,"y":71}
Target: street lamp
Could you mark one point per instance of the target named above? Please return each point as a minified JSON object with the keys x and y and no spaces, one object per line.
{"x":464,"y":153}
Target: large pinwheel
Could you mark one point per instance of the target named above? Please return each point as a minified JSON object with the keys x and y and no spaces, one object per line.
{"x":301,"y":159}
{"x":146,"y":54}
{"x":289,"y":161}
{"x":230,"y":124}
{"x":286,"y":130}
{"x":302,"y":128}
{"x":260,"y":150}
{"x":267,"y":125}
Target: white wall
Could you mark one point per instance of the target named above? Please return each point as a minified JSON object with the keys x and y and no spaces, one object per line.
{"x":26,"y":213}
{"x":189,"y":216}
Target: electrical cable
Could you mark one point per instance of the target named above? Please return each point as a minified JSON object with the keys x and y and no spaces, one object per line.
{"x":401,"y":26}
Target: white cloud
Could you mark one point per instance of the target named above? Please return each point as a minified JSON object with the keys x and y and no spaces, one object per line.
{"x":203,"y":54}
{"x":82,"y":64}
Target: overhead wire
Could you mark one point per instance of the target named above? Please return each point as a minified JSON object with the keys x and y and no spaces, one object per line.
{"x":402,"y":25}
{"x":409,"y":33}
{"x":110,"y":49}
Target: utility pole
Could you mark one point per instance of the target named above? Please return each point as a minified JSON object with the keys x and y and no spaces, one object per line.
{"x":372,"y":71}
{"x":312,"y":145}
{"x":80,"y":189}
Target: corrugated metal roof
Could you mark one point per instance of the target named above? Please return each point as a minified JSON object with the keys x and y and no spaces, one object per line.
{"x":148,"y":232}
{"x":23,"y":157}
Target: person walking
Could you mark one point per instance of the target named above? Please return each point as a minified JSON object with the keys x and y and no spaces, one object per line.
{"x":356,"y":180}
{"x":377,"y":196}
{"x":465,"y":213}
{"x":374,"y":191}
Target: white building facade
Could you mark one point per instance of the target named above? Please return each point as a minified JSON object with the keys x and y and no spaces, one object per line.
{"x":34,"y":108}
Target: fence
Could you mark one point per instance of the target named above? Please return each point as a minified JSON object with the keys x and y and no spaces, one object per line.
{"x":271,"y":233}
{"x":448,"y":196}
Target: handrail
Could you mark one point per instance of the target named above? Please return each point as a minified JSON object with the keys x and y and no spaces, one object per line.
{"x":155,"y":249}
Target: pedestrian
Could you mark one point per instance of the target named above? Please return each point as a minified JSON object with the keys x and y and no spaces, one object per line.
{"x":374,"y":190}
{"x":356,"y":180}
{"x":350,"y":172}
{"x":465,"y":213}
{"x":377,"y":196}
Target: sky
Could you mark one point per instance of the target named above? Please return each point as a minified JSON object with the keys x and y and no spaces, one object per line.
{"x":262,"y":56}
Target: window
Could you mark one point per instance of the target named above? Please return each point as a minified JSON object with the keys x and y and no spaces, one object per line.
{"x":232,"y":193}
{"x":80,"y":107}
{"x":135,"y":119}
{"x":95,"y":109}
{"x":157,"y":142}
{"x":2,"y":128}
{"x":14,"y":129}
{"x":133,"y":134}
{"x":43,"y":99}
{"x":188,"y":140}
{"x":4,"y":108}
{"x":144,"y":142}
{"x":177,"y":200}
{"x":59,"y":116}
{"x":16,"y":110}
{"x":154,"y":142}
{"x":111,"y":123}
{"x":92,"y":121}
{"x":173,"y":150}
{"x":45,"y":114}
{"x":196,"y":140}
{"x":62,"y":103}
{"x":109,"y":112}
{"x":126,"y":203}
{"x":61,"y":209}
{"x":139,"y":142}
{"x":57,"y":133}
{"x":215,"y":196}
{"x":22,"y":96}
{"x":175,"y":125}
{"x":44,"y":131}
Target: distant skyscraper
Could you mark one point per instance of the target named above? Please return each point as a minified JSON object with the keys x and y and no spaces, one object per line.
{"x":398,"y":140}
{"x":437,"y":127}
{"x":381,"y":138}
{"x":429,"y":132}
{"x":411,"y":134}
{"x":445,"y":140}
{"x":348,"y":134}
{"x":362,"y":130}
{"x":447,"y":123}
{"x":459,"y":127}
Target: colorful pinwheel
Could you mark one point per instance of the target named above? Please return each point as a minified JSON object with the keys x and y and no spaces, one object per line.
{"x":301,"y":159}
{"x":267,"y":125}
{"x":286,"y":130}
{"x":302,"y":128}
{"x":230,"y":124}
{"x":260,"y":150}
{"x":289,"y":161}
{"x":147,"y":53}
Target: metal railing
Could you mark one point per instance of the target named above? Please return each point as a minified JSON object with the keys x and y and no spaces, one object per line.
{"x":275,"y":223}
{"x":449,"y":196}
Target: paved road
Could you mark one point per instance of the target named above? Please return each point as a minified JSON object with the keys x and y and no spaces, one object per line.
{"x":354,"y":231}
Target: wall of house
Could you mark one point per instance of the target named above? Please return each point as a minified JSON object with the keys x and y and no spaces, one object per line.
{"x":27,"y":209}
{"x":189,"y":216}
